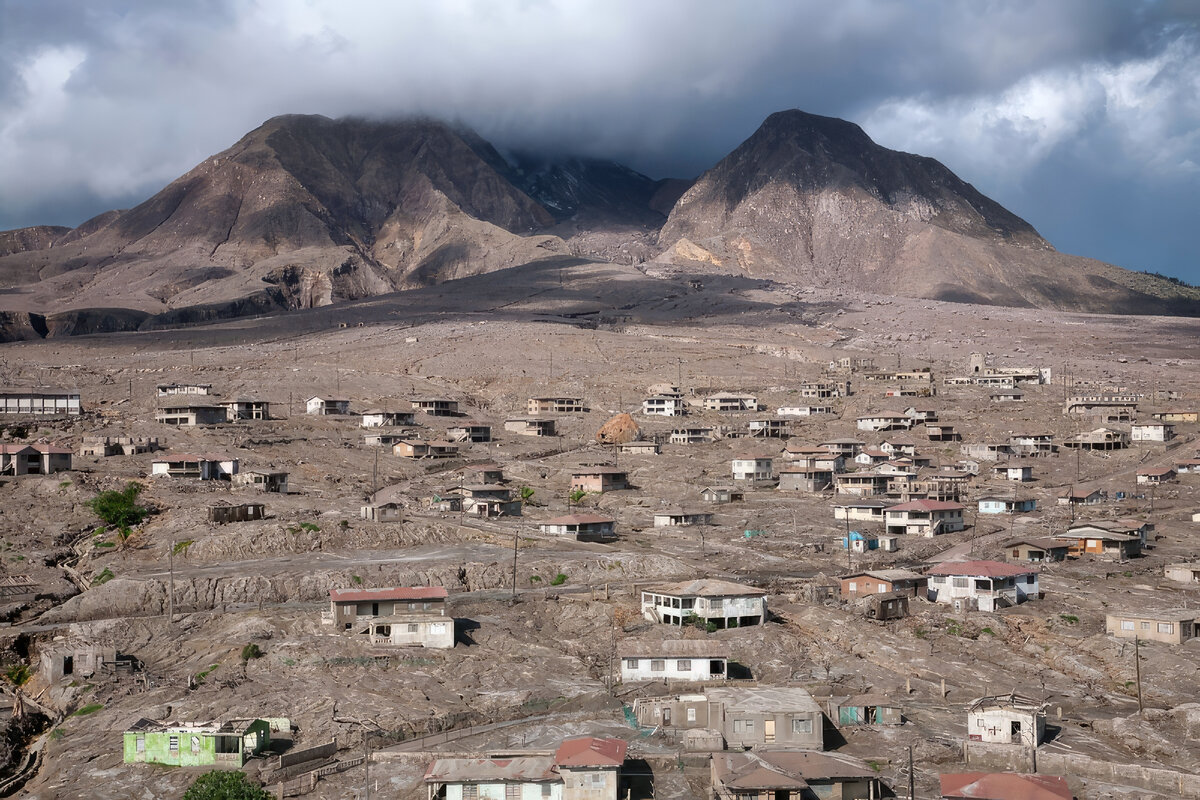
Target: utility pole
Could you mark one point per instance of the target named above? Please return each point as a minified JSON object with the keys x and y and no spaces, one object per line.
{"x":911,"y":778}
{"x":514,"y":575}
{"x":1137,"y":666}
{"x":375,"y":476}
{"x":171,"y":585}
{"x":366,"y":765}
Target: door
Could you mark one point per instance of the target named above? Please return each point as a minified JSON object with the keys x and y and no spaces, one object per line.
{"x":666,"y":716}
{"x":769,"y":731}
{"x":1016,"y":732}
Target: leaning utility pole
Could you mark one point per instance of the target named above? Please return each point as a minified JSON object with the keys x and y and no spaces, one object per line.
{"x":514,"y":575}
{"x":171,"y":585}
{"x":911,"y":780}
{"x":1137,"y":667}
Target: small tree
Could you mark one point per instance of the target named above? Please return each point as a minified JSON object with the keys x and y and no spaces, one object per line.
{"x":222,"y":785}
{"x":120,"y":509}
{"x":16,"y":676}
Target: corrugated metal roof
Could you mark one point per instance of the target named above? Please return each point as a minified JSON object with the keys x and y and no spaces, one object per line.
{"x":989,"y":569}
{"x":462,"y":770}
{"x":674,"y":648}
{"x":588,"y":751}
{"x":706,"y":587}
{"x":1004,"y":786}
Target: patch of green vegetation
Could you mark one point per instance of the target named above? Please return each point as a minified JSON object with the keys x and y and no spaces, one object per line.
{"x":119,"y":509}
{"x":103,"y":577}
{"x":17,"y":674}
{"x":64,"y":484}
{"x":1126,"y":574}
{"x":875,"y":765}
{"x":920,"y":633}
{"x":988,"y":631}
{"x":311,"y":527}
{"x":535,"y":578}
{"x":90,"y":708}
{"x":57,"y":735}
{"x":577,"y":495}
{"x":224,"y":785}
{"x":558,"y":580}
{"x":200,"y":676}
{"x":288,"y":662}
{"x":251,"y":651}
{"x":1070,"y":619}
{"x":416,"y":662}
{"x":357,"y":579}
{"x":182,"y":547}
{"x":106,"y":544}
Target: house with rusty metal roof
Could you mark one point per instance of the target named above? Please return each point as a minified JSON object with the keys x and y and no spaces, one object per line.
{"x":582,"y":768}
{"x":791,"y":773}
{"x":398,"y":616}
{"x":715,"y":603}
{"x":1004,"y":786}
{"x":982,"y":585}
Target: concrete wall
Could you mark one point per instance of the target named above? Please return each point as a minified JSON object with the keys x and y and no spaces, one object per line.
{"x":496,"y":791}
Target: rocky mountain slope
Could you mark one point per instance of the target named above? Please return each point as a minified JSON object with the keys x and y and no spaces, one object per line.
{"x":814,"y":200}
{"x":306,"y":211}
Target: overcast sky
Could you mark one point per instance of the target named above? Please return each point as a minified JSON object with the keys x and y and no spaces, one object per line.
{"x":1082,"y":116}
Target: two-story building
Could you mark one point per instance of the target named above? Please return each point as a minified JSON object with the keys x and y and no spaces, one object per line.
{"x":415,"y":616}
{"x":664,"y":406}
{"x":730,"y":402}
{"x":243,"y":409}
{"x":983,"y":585}
{"x":204,"y":468}
{"x":188,"y":414}
{"x":530,"y":426}
{"x":436,"y":406}
{"x":924,"y":518}
{"x":707,"y":601}
{"x":39,"y":402}
{"x":326,"y":406}
{"x":383,"y":418}
{"x":753,"y":468}
{"x":555,"y":405}
{"x":599,"y":479}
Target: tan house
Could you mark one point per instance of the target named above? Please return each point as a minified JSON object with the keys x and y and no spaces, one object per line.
{"x":1173,"y":626}
{"x":436,"y":406}
{"x":584,"y":768}
{"x":469,"y":432}
{"x":881,"y":581}
{"x":805,"y":479}
{"x":599,"y":479}
{"x":39,"y":402}
{"x":1183,"y":573}
{"x":418,"y":448}
{"x":555,"y":405}
{"x":246,"y":408}
{"x":394,"y":616}
{"x":924,"y":518}
{"x":1154,"y":476}
{"x":191,"y":414}
{"x":584,"y":527}
{"x":530,"y":426}
{"x":782,"y":774}
{"x":697,"y":435}
{"x":263,"y":480}
{"x":730,"y":402}
{"x":34,"y":459}
{"x":1035,"y":551}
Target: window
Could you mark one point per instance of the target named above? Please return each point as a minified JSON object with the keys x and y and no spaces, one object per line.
{"x":804,"y":725}
{"x":960,"y":583}
{"x":1127,"y":625}
{"x":383,"y":630}
{"x":173,"y":745}
{"x":631,"y":663}
{"x":683,"y":665}
{"x":1016,"y":553}
{"x":658,"y":665}
{"x":545,"y":790}
{"x":852,"y":587}
{"x":141,"y":744}
{"x":413,"y":627}
{"x":691,"y":715}
{"x":1145,"y":626}
{"x":596,"y":779}
{"x":1166,"y":627}
{"x":881,"y":588}
{"x":512,"y":791}
{"x":470,"y":791}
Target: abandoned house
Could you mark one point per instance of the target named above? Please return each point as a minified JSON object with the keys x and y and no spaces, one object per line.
{"x":489,"y":500}
{"x":752,"y":717}
{"x":719,"y":495}
{"x":419,"y":448}
{"x":230,"y":744}
{"x":530,"y":426}
{"x":664,"y":406}
{"x":483,"y":473}
{"x":225,"y":513}
{"x":1082,"y":497}
{"x":39,"y":402}
{"x":436,"y":406}
{"x":862,"y":543}
{"x":1152,"y":432}
{"x":555,"y":405}
{"x":204,"y":468}
{"x":583,"y":527}
{"x":752,"y":468}
{"x":326,"y":406}
{"x":924,"y":518}
{"x":639,"y":448}
{"x":1032,"y":444}
{"x":166,"y":389}
{"x":191,"y":414}
{"x":1098,"y":439}
{"x":470,"y":432}
{"x":869,"y":709}
{"x":1013,"y":471}
{"x":825,"y":390}
{"x":1007,"y":396}
{"x":599,"y":479}
{"x":380,"y":418}
{"x":880,"y":581}
{"x":1177,"y":416}
{"x":1182,"y":573}
{"x":104,"y":446}
{"x":768,"y":428}
{"x":263,"y":480}
{"x":699,"y":435}
{"x":803,"y":411}
{"x":1006,"y":505}
{"x":34,"y":459}
{"x":1007,"y":719}
{"x":872,"y":457}
{"x":882,"y":607}
{"x":861,"y":510}
{"x":1153,"y":476}
{"x":385,"y":511}
{"x":246,"y":408}
{"x":677,"y":518}
{"x":584,"y":768}
{"x":1172,"y":626}
{"x":1119,"y":539}
{"x":846,"y":448}
{"x":805,"y":479}
{"x":394,"y":616}
{"x":76,"y":661}
{"x":792,"y":775}
{"x":380,"y":439}
{"x":884,"y":422}
{"x":803,"y":455}
{"x":730,"y":402}
{"x":714,"y":603}
{"x":981,"y":585}
{"x":942,"y":433}
{"x":1035,"y":551}
{"x":1004,"y":786}
{"x":674,"y":660}
{"x":1105,"y":407}
{"x":861,"y":484}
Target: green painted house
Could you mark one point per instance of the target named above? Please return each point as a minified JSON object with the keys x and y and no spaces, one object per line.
{"x":229,"y":744}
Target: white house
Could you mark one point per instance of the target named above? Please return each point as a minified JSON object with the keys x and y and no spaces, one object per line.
{"x":884,"y":422}
{"x":753,"y":468}
{"x":1007,"y":719}
{"x":584,"y":768}
{"x":664,"y":406}
{"x":1013,"y":472}
{"x":924,"y":518}
{"x":729,"y":401}
{"x":674,"y":660}
{"x":1153,"y":432}
{"x":584,"y":527}
{"x":982,"y":585}
{"x":327,"y":405}
{"x":720,"y":603}
{"x":378,"y":418}
{"x":205,"y":468}
{"x":398,"y":615}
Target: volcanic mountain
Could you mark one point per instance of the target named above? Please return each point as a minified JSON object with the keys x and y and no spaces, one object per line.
{"x":814,"y":200}
{"x":307,"y":211}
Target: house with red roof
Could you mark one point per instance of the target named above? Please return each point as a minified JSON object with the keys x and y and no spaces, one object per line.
{"x":982,"y":585}
{"x":1004,"y":786}
{"x":583,"y":768}
{"x":924,"y":517}
{"x":399,"y":615}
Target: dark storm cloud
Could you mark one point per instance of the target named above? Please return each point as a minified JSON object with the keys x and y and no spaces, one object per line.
{"x":108,"y":101}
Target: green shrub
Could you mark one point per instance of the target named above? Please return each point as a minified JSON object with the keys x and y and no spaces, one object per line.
{"x":119,"y":509}
{"x":310,"y":526}
{"x":1070,"y":619}
{"x":105,"y":575}
{"x":251,"y":651}
{"x":224,"y":785}
{"x":91,"y":708}
{"x":558,"y":580}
